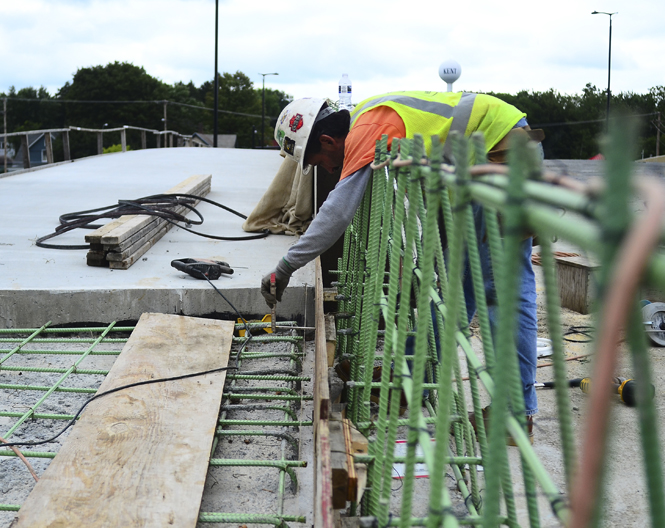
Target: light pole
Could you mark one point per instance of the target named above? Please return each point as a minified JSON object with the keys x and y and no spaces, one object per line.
{"x":609,"y":63}
{"x":216,"y":100}
{"x":263,"y":109}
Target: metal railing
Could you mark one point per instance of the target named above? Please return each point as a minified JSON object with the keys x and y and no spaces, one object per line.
{"x":170,"y":136}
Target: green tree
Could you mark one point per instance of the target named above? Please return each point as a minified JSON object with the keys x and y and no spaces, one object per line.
{"x":236,"y":94}
{"x":114,"y":82}
{"x":34,"y":114}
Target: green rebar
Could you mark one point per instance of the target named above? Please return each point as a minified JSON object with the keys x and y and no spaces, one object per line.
{"x":28,"y":454}
{"x":46,"y":329}
{"x":66,"y":374}
{"x":244,"y":518}
{"x":24,"y":352}
{"x":448,"y":341}
{"x":558,"y":357}
{"x":23,"y":343}
{"x":532,"y":203}
{"x":278,"y":434}
{"x":376,"y":253}
{"x":283,"y":423}
{"x":45,"y":388}
{"x":49,"y":370}
{"x":240,"y":396}
{"x":266,"y":378}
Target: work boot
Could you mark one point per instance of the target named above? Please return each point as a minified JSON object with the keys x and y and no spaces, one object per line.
{"x":486,"y":420}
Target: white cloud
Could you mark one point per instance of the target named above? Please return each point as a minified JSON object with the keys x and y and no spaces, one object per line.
{"x":502,"y":46}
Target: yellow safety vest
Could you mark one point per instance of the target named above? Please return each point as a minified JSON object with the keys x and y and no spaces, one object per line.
{"x":438,"y":113}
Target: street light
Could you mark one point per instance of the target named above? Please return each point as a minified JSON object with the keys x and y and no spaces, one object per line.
{"x":263,"y":108}
{"x":609,"y":63}
{"x":215,"y":125}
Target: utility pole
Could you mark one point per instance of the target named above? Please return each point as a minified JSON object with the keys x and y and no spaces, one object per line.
{"x":657,"y":133}
{"x":609,"y":64}
{"x":215,"y":131}
{"x":263,"y":109}
{"x":4,"y":116}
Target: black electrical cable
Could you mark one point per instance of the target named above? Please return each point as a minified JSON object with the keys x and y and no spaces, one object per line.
{"x":111,"y":391}
{"x":245,"y":323}
{"x":160,"y":205}
{"x":586,"y":331}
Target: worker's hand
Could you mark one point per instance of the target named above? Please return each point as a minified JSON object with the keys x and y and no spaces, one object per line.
{"x":282,"y":276}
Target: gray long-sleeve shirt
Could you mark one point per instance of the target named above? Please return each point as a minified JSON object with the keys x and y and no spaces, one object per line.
{"x":332,"y":219}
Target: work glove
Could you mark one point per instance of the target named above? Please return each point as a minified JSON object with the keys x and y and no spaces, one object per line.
{"x":283,"y":274}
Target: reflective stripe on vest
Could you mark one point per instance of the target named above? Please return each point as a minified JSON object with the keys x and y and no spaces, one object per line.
{"x":440,"y":109}
{"x":438,"y":113}
{"x":461,"y":118}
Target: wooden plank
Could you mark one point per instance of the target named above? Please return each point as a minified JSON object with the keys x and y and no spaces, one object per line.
{"x":134,"y":243}
{"x":133,"y":223}
{"x":188,"y":186}
{"x":94,"y":258}
{"x":321,"y":388}
{"x":339,"y":465}
{"x":139,"y":457}
{"x":131,"y":259}
{"x":122,"y":228}
{"x":323,"y":510}
{"x":48,"y":146}
{"x":575,"y":285}
{"x":331,"y":338}
{"x":25,"y":145}
{"x":353,"y":478}
{"x":138,"y":238}
{"x":65,"y":145}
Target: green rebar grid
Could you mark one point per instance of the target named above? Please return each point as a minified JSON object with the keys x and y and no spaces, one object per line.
{"x":284,"y":387}
{"x":412,"y":202}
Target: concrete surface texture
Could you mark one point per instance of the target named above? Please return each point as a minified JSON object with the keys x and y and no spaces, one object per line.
{"x":38,"y":284}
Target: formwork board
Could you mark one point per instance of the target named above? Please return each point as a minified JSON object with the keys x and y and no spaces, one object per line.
{"x":138,"y":457}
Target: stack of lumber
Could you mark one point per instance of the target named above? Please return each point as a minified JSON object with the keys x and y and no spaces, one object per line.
{"x":123,"y":241}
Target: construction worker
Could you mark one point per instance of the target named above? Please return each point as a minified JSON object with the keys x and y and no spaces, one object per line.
{"x":313,"y":134}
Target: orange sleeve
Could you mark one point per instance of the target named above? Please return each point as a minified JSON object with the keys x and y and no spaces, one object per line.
{"x":368,"y":128}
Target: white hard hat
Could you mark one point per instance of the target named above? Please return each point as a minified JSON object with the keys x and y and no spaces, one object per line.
{"x":295,"y":124}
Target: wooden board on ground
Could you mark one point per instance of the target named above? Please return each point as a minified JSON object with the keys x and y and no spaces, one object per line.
{"x":576,"y":287}
{"x":139,"y":457}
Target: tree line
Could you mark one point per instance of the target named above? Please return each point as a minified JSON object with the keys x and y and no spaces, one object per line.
{"x":112,"y":96}
{"x":573,"y":124}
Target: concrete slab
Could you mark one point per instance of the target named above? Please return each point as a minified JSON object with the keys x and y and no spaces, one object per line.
{"x":39,"y":285}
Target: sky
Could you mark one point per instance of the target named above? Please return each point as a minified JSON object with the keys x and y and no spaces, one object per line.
{"x":383,"y":45}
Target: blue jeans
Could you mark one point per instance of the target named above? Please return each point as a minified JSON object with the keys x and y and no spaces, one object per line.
{"x":527,"y":319}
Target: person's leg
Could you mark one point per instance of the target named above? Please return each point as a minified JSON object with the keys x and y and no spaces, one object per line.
{"x":527,"y":330}
{"x":527,"y":321}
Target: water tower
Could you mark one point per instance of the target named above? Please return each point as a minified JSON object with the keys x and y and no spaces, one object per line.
{"x":450,"y":71}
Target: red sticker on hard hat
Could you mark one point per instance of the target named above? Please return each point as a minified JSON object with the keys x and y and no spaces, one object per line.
{"x":296,"y":122}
